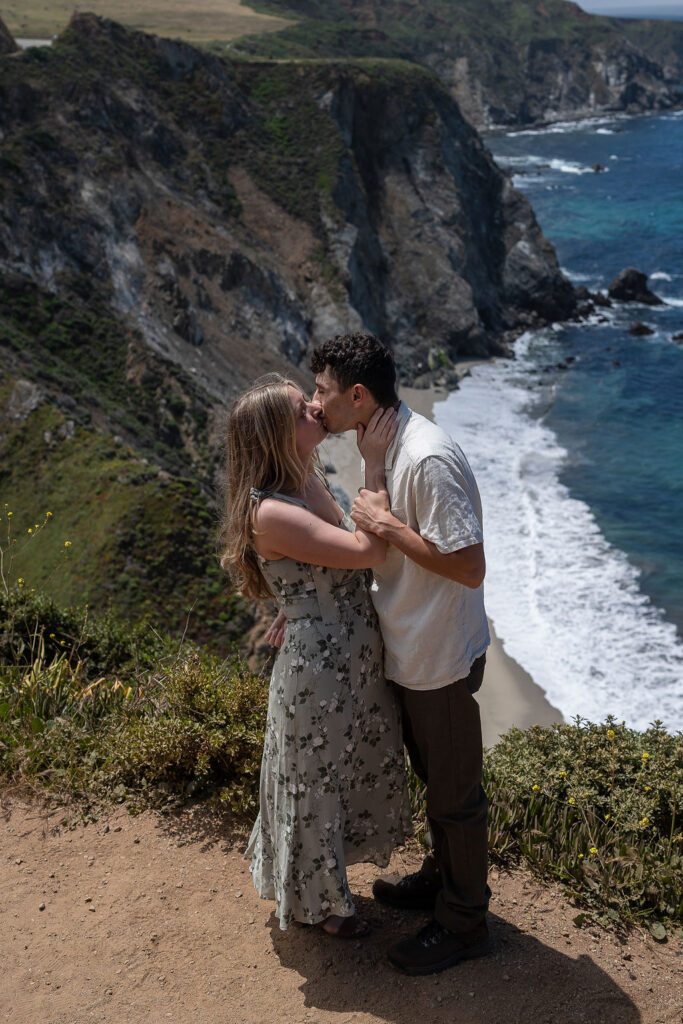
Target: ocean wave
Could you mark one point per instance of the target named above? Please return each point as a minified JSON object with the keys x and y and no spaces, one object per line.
{"x":660,"y":275}
{"x":566,"y":127}
{"x":565,"y":603}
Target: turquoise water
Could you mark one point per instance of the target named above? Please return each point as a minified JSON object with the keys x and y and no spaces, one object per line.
{"x":581,"y":468}
{"x":622,"y":425}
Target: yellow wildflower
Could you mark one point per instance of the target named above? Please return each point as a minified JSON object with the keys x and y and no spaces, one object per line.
{"x":535,"y":789}
{"x":593,"y":850}
{"x":607,"y":817}
{"x":48,"y":515}
{"x":645,"y":755}
{"x":67,"y":543}
{"x":644,"y":821}
{"x":648,"y":788}
{"x":9,"y":514}
{"x":30,"y":530}
{"x":562,"y":775}
{"x":52,"y":636}
{"x":580,"y":856}
{"x":571,"y":799}
{"x":610,"y":734}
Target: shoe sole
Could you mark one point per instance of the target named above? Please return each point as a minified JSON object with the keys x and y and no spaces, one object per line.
{"x":480,"y":949}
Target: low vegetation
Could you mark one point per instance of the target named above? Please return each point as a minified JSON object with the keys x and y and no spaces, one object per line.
{"x":91,"y":711}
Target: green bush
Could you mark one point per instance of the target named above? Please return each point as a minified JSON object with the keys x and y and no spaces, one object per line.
{"x":597,"y":807}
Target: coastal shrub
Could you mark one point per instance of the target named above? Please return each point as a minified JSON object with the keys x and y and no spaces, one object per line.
{"x":92,"y":708}
{"x":597,"y":807}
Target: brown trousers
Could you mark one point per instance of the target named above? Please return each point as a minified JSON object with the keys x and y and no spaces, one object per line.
{"x":442,"y":733}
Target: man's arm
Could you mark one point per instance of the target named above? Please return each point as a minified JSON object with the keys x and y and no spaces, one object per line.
{"x":371,"y":511}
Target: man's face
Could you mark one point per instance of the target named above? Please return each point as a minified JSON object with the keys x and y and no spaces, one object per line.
{"x":339,"y":410}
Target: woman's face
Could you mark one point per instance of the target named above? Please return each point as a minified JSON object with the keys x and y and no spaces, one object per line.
{"x":308,"y":424}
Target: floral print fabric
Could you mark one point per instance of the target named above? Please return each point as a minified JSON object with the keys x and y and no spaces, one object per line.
{"x":333,"y":788}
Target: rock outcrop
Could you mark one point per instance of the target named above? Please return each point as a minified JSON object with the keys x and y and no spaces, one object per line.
{"x":505,"y":61}
{"x":235,"y":214}
{"x":8,"y":43}
{"x":630,"y":285}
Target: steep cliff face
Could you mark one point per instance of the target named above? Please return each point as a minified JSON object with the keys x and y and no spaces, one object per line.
{"x":174,"y":225}
{"x":236,"y":215}
{"x":504,"y":61}
{"x":7,"y":41}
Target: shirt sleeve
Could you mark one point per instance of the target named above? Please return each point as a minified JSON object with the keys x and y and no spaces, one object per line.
{"x":447,"y":505}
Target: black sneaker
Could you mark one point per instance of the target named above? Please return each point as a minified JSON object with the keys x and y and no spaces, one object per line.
{"x":435,"y":948}
{"x":413,"y":892}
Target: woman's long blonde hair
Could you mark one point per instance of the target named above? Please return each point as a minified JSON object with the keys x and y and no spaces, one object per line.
{"x":261,"y":453}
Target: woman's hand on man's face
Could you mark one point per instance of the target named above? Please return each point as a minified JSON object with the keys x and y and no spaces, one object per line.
{"x":374,"y":439}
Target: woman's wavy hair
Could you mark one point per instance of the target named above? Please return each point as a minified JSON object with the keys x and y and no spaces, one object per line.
{"x":261,"y":453}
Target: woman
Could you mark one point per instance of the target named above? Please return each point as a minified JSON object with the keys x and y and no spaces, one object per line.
{"x":332,"y":777}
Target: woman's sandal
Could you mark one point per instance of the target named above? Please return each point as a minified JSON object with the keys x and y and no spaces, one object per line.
{"x":353,"y":927}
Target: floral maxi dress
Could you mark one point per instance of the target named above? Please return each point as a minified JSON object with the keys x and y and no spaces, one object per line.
{"x":333,"y":789}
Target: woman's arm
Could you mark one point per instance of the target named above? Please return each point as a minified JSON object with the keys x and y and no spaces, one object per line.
{"x":289,"y":531}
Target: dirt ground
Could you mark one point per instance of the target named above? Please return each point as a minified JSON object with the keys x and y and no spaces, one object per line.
{"x":154,"y":919}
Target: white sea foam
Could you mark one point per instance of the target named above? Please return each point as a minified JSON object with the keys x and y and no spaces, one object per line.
{"x":660,"y":275}
{"x":565,"y":603}
{"x":565,"y":127}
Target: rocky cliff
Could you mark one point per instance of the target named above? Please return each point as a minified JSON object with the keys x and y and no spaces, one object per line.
{"x":7,"y":41}
{"x":237,"y":214}
{"x":504,"y":61}
{"x":173,"y":225}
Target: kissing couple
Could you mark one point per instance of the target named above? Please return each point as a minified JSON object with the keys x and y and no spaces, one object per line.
{"x":382,"y":637}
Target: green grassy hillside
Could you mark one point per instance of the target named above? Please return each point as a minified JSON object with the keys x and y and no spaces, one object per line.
{"x":114,"y":444}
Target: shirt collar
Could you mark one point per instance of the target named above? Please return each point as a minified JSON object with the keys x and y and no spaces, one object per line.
{"x":402,"y":418}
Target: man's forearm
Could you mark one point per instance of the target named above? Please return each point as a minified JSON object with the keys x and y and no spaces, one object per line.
{"x":466,"y":566}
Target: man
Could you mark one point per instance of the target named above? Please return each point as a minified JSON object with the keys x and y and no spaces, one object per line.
{"x":429,"y":600}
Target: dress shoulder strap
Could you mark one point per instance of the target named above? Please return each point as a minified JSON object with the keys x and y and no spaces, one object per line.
{"x":257,"y":495}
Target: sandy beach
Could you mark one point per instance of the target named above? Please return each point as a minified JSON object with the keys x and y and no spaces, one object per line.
{"x":509,"y":696}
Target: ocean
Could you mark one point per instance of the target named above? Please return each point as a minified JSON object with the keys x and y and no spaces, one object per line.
{"x":577,"y":443}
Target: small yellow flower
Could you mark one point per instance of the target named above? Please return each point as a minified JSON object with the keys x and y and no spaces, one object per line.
{"x":48,"y":515}
{"x":10,"y":514}
{"x":30,"y":530}
{"x":52,"y":636}
{"x":607,"y":817}
{"x":20,"y":582}
{"x":593,"y":850}
{"x":648,"y":788}
{"x":645,"y":755}
{"x":580,"y":856}
{"x":562,"y":775}
{"x":67,"y":543}
{"x":535,"y":789}
{"x":644,"y":821}
{"x":36,"y":526}
{"x":63,"y":643}
{"x":610,"y":734}
{"x":571,"y":799}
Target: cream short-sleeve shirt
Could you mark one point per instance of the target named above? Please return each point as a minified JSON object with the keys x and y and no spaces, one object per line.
{"x":433,"y":628}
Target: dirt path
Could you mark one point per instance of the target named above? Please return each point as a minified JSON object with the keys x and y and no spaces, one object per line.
{"x":154,"y":919}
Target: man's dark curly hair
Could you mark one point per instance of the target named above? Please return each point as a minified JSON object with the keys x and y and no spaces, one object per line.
{"x":358,"y":359}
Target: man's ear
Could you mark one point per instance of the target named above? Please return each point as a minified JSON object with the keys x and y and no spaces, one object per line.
{"x":359,"y":393}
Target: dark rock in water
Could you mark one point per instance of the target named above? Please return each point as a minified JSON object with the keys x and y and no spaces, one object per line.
{"x":616,"y":363}
{"x":677,"y":337}
{"x":582,"y":293}
{"x":639,"y":329}
{"x":7,"y":41}
{"x":597,"y":168}
{"x":601,"y":300}
{"x":631,"y":286}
